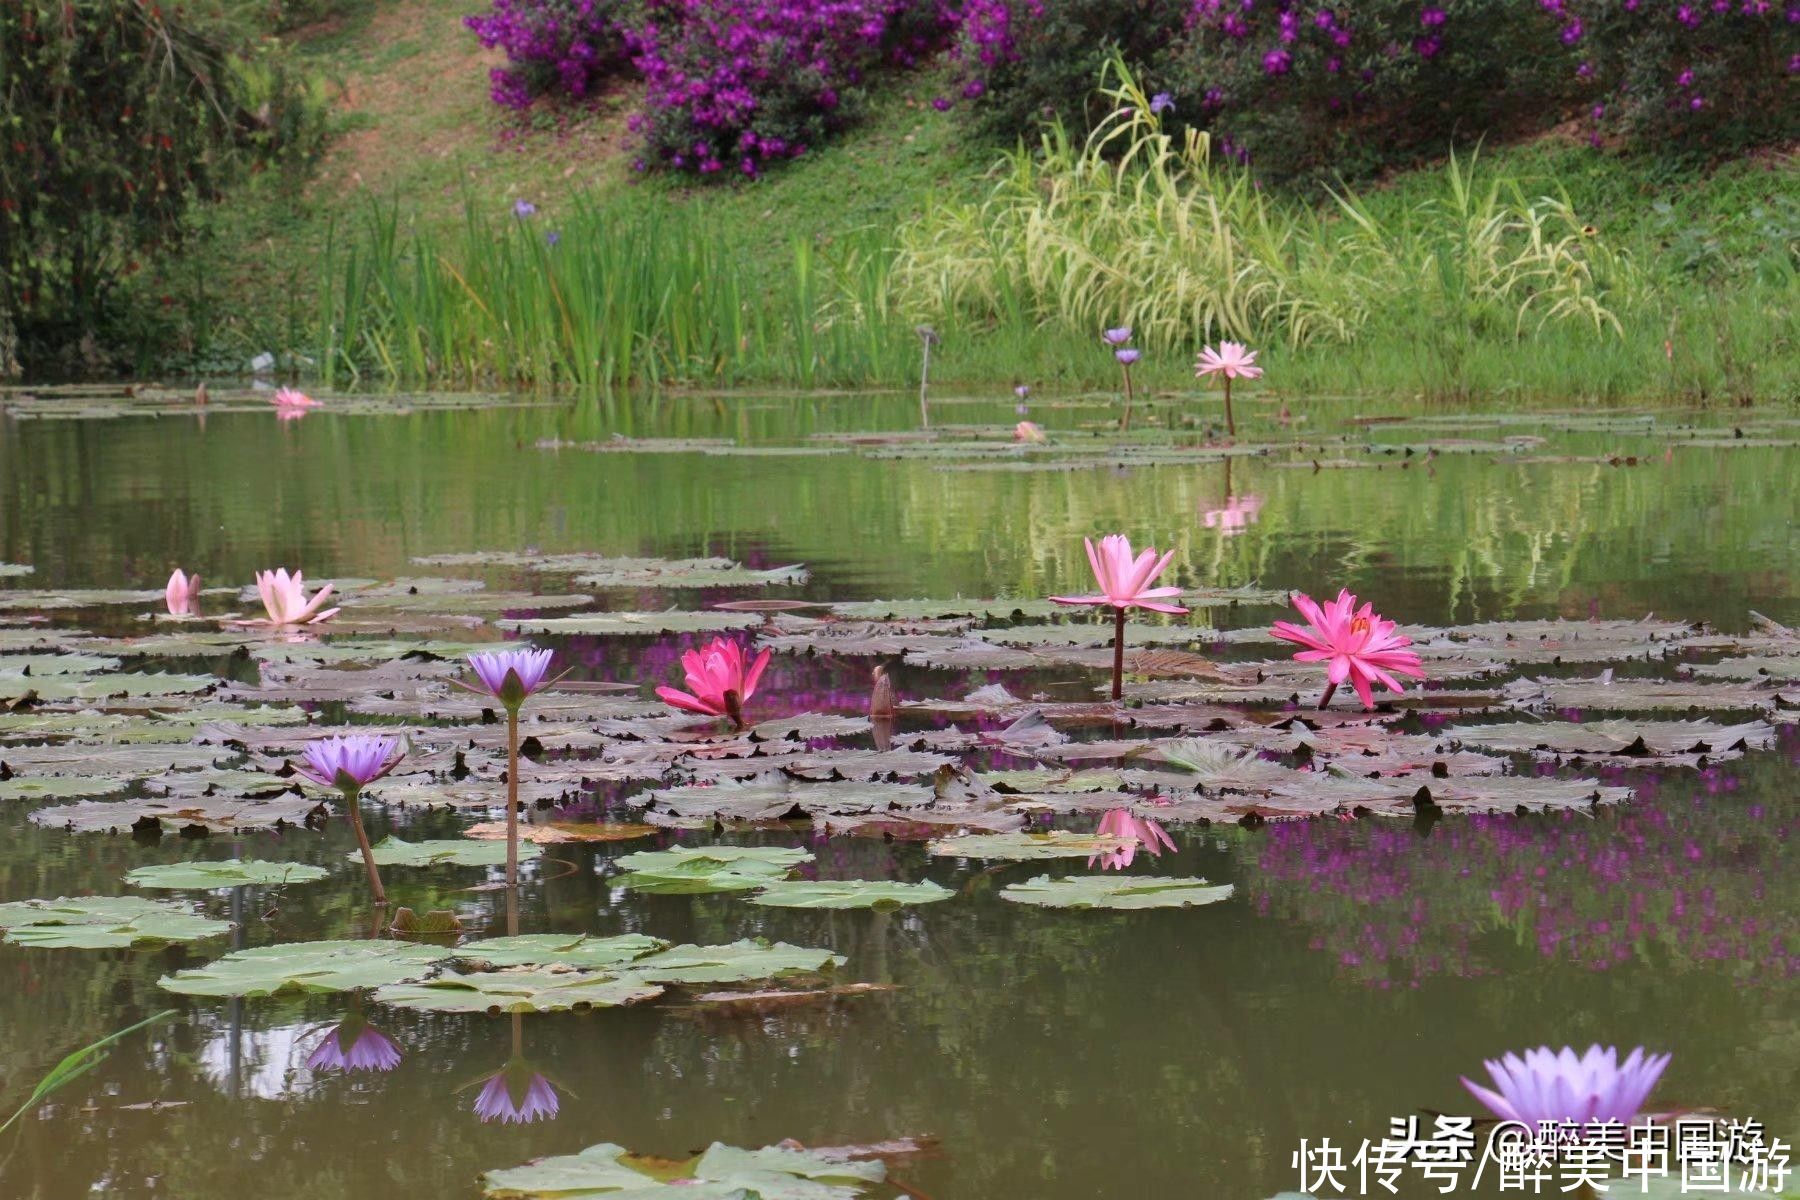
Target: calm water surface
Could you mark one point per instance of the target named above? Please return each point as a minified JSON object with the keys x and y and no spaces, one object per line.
{"x":1359,"y":969}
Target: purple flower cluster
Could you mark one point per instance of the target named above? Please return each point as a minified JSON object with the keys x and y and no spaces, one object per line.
{"x":561,"y":46}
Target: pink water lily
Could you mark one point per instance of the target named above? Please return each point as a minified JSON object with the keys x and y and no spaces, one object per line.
{"x":354,"y":1045}
{"x":1142,"y":834}
{"x":1028,"y":431}
{"x":1236,"y":516}
{"x":1125,"y":585}
{"x":1358,"y":645}
{"x":719,"y":681}
{"x":1230,"y":361}
{"x":292,"y":399}
{"x":284,"y":598}
{"x":1233,"y":360}
{"x":182,"y":595}
{"x":1556,"y":1085}
{"x":1124,"y":580}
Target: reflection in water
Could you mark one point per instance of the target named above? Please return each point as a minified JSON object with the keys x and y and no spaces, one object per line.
{"x":1140,"y":834}
{"x":261,"y":1064}
{"x":354,"y":1045}
{"x":518,"y":1093}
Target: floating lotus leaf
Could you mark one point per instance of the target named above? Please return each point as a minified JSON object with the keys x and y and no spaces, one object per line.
{"x":101,"y":687}
{"x":459,"y":852}
{"x":1221,"y":765}
{"x":570,"y":950}
{"x":773,"y":797}
{"x":1057,"y":843}
{"x":1633,"y":739}
{"x":328,"y":966}
{"x":220,"y":813}
{"x":1606,"y":693}
{"x":1052,"y":779}
{"x":366,"y":650}
{"x":517,"y":990}
{"x":1779,"y":668}
{"x":848,"y":893}
{"x":84,"y":724}
{"x":890,"y":610}
{"x":104,"y":922}
{"x":56,"y":664}
{"x":39,"y":601}
{"x":685,"y":870}
{"x":593,"y":1172}
{"x":686,"y":573}
{"x":617,"y":624}
{"x":231,"y":872}
{"x":733,"y":963}
{"x":1115,"y":891}
{"x":721,"y":1173}
{"x":117,"y":761}
{"x":58,"y":787}
{"x":809,"y":726}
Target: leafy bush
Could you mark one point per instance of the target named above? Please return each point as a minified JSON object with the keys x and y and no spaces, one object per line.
{"x":120,"y":114}
{"x":560,"y":46}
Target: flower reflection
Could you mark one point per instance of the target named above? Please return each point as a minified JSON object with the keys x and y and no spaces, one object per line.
{"x":1238,"y":514}
{"x":518,"y":1093}
{"x":1140,"y":833}
{"x":354,"y":1045}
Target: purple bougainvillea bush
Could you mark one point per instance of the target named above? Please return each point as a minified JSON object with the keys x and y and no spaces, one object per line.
{"x":556,"y":47}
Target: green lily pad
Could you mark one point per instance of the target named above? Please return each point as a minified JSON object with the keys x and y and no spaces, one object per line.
{"x":58,"y":787}
{"x":231,"y":872}
{"x":849,"y":893}
{"x":721,"y":1173}
{"x":1057,"y":843}
{"x":100,"y":687}
{"x":518,"y":990}
{"x":543,"y":949}
{"x":692,"y":869}
{"x":460,"y":852}
{"x":328,"y":966}
{"x":733,"y":963}
{"x":1115,"y":891}
{"x":104,"y":922}
{"x":57,"y":664}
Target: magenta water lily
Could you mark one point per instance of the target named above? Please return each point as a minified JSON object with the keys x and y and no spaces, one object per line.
{"x":720,"y":680}
{"x":348,"y":764}
{"x":1561,"y":1086}
{"x":1356,"y":644}
{"x":1125,"y":581}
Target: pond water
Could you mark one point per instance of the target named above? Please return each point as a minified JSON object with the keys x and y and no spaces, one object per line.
{"x":1359,"y":967}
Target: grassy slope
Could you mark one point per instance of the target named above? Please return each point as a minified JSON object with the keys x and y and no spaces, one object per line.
{"x":416,"y":127}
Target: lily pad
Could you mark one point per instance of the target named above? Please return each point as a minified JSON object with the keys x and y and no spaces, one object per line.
{"x":214,"y":813}
{"x":518,"y":990}
{"x":459,"y":852}
{"x":1115,"y":891}
{"x":732,"y":963}
{"x":570,"y":950}
{"x":721,"y":1173}
{"x":1057,"y":843}
{"x":58,"y":787}
{"x":849,"y":893}
{"x":104,"y":922}
{"x":328,"y":966}
{"x":618,"y":624}
{"x":229,"y":873}
{"x":701,"y":862}
{"x":556,"y":833}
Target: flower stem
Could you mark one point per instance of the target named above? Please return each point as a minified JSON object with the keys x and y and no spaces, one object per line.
{"x":512,"y":799}
{"x":1125,"y":427}
{"x":353,"y":802}
{"x":1230,"y":422}
{"x":1118,"y":690}
{"x":1325,"y":700}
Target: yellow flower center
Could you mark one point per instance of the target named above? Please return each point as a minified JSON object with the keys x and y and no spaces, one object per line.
{"x":1359,"y":625}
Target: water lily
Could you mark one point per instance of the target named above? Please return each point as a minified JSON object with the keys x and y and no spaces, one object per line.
{"x":1116,"y":337}
{"x":284,"y":599}
{"x":1142,"y":833}
{"x":182,"y":595}
{"x":1028,"y":431}
{"x":354,"y":1045}
{"x":510,"y":676}
{"x":350,"y":763}
{"x":720,"y":683}
{"x":1127,"y":356}
{"x":1234,"y":517}
{"x":517,"y":1095}
{"x":1358,"y":644}
{"x":1232,"y":360}
{"x":1556,"y":1085}
{"x":292,"y":400}
{"x":1124,"y":585}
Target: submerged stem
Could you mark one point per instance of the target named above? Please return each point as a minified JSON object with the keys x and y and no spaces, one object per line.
{"x":353,"y":802}
{"x":1118,"y":690}
{"x":512,"y":799}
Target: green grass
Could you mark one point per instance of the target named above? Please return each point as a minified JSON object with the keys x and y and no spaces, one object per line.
{"x":400,"y":260}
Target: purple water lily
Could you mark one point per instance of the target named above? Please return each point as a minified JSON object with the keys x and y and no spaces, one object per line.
{"x":1556,"y":1085}
{"x":517,"y":1095}
{"x":349,"y":764}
